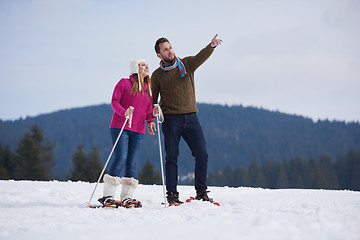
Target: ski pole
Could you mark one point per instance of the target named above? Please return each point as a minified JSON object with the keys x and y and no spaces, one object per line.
{"x":107,"y":161}
{"x":158,"y":116}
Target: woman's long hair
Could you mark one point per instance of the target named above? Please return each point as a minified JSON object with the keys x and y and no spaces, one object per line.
{"x":135,"y":87}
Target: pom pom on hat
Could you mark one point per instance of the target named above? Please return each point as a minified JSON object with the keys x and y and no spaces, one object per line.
{"x":134,"y":68}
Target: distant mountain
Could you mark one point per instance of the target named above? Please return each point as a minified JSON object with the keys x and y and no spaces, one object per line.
{"x":235,"y":136}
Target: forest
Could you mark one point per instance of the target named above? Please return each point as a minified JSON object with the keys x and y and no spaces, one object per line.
{"x":33,"y":160}
{"x":236,"y":136}
{"x":322,"y":173}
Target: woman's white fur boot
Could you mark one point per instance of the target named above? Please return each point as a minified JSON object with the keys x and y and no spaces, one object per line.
{"x":111,"y":184}
{"x":128,"y":187}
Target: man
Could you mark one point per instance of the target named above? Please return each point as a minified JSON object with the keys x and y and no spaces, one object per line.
{"x":174,"y":81}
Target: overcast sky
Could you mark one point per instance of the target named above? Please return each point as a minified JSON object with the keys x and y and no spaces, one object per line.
{"x":298,"y":57}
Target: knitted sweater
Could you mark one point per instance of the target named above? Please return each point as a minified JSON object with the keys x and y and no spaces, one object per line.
{"x":178,"y":93}
{"x":122,"y":100}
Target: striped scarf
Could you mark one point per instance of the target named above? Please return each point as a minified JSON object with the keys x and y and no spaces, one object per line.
{"x":177,"y":63}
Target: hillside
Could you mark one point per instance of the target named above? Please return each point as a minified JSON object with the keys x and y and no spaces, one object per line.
{"x":235,"y":136}
{"x":58,"y":210}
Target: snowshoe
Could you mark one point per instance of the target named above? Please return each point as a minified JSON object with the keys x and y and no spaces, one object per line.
{"x":109,"y":201}
{"x":131,"y":203}
{"x":202,"y":195}
{"x":173,"y":199}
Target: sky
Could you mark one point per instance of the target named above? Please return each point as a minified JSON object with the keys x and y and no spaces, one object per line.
{"x":295,"y":57}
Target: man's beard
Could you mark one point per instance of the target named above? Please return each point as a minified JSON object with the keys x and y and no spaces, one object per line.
{"x":168,"y":60}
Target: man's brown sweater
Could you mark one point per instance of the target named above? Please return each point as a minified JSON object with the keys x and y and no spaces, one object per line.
{"x":178,"y":93}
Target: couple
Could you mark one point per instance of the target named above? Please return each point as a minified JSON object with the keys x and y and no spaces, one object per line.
{"x":134,"y":97}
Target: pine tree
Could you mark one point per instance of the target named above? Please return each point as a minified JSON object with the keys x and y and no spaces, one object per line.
{"x":241,"y":177}
{"x":348,"y":171}
{"x":281,"y":178}
{"x":219,"y":178}
{"x":229,"y":175}
{"x":295,"y":170}
{"x":270,"y":173}
{"x":211,"y":179}
{"x":79,"y":161}
{"x":319,"y":181}
{"x":7,"y":166}
{"x":354,"y":158}
{"x":94,"y":165}
{"x":256,"y":175}
{"x":34,"y":156}
{"x":148,"y":175}
{"x":327,"y":169}
{"x":85,"y":167}
{"x":316,"y":176}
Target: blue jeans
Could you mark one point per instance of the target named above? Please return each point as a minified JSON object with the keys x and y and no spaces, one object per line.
{"x":126,"y":152}
{"x":188,"y":127}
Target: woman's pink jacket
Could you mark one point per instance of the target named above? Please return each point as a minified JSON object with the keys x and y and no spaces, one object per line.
{"x":122,"y":99}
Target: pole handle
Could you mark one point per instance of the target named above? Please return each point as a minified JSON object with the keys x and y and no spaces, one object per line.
{"x":160,"y":115}
{"x":130,"y":119}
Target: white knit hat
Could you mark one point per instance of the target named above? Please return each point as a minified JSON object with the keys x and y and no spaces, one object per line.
{"x":134,"y":68}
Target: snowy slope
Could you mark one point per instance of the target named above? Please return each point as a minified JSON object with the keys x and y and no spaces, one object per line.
{"x":58,"y":210}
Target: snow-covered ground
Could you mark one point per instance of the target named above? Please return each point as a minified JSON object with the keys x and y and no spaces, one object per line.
{"x":58,"y":210}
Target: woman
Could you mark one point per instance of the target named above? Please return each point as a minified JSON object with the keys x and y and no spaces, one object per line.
{"x":132,"y":97}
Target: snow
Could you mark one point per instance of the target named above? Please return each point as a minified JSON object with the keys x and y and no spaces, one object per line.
{"x":58,"y":210}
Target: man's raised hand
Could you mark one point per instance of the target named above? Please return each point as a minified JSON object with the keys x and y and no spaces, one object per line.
{"x":215,"y":41}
